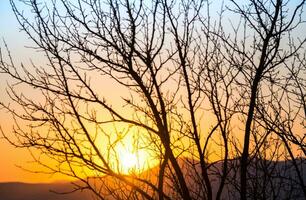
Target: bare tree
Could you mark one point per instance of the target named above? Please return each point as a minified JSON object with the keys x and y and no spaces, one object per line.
{"x":216,"y":102}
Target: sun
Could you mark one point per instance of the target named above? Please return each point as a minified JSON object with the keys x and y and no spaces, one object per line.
{"x":131,"y":158}
{"x":129,"y":162}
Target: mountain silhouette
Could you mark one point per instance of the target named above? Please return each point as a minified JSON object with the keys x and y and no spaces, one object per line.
{"x":40,"y":191}
{"x":281,"y":183}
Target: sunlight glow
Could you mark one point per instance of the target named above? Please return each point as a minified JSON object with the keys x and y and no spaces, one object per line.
{"x":129,"y":162}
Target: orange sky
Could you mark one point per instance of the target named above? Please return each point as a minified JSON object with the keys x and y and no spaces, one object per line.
{"x":10,"y":156}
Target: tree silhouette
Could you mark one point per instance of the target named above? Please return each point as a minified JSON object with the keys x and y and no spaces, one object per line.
{"x":216,"y":99}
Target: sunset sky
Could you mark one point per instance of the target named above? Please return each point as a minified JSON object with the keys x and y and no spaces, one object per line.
{"x":11,"y":157}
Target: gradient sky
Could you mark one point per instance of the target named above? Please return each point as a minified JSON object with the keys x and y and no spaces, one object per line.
{"x":10,"y":156}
